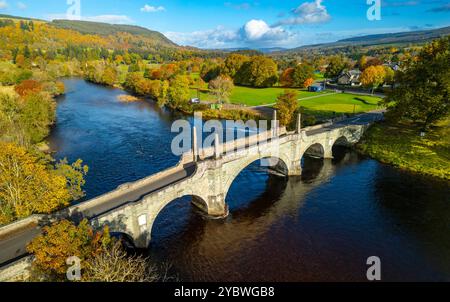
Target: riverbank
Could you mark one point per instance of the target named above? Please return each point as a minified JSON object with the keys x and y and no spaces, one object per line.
{"x":401,"y":145}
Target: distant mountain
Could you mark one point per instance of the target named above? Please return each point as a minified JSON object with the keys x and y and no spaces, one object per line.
{"x":254,"y":50}
{"x":410,"y":37}
{"x":105,"y":29}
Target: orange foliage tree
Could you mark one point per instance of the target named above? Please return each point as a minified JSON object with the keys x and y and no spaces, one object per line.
{"x":27,"y":87}
{"x":308,"y":82}
{"x":286,"y":77}
{"x":62,"y":240}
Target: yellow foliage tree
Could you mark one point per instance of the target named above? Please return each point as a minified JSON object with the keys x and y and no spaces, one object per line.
{"x":62,"y":240}
{"x":27,"y":186}
{"x":373,"y":76}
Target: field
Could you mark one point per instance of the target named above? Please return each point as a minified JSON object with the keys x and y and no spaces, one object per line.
{"x":401,"y":146}
{"x":254,"y":96}
{"x":321,"y":104}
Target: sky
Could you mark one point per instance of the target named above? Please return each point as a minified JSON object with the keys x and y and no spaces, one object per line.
{"x":247,"y":23}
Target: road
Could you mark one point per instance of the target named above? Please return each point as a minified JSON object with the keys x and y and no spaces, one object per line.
{"x":361,"y":119}
{"x":14,"y":246}
{"x":138,"y":194}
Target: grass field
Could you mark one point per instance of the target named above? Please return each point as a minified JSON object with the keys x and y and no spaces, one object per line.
{"x":255,"y":96}
{"x":321,"y":104}
{"x":401,"y":146}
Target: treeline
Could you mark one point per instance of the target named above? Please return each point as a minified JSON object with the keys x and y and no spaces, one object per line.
{"x":31,"y":181}
{"x":40,"y":40}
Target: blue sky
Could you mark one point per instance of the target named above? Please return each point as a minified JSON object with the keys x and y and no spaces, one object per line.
{"x":248,"y":23}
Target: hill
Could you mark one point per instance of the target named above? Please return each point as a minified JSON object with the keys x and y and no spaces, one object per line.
{"x":397,"y":39}
{"x":105,"y":29}
{"x":3,"y":16}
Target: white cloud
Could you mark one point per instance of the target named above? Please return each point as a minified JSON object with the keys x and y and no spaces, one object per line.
{"x":214,"y":38}
{"x":255,"y":33}
{"x":258,"y":30}
{"x":3,"y":4}
{"x":21,"y":5}
{"x":308,"y":13}
{"x":152,"y":9}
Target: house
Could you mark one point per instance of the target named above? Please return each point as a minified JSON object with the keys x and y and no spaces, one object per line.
{"x":315,"y":88}
{"x":350,"y":78}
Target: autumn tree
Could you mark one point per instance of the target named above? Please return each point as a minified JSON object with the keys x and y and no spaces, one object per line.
{"x":221,"y":88}
{"x":308,"y":82}
{"x":179,"y":92}
{"x":302,"y":72}
{"x":27,"y":186}
{"x":28,"y":87}
{"x":109,"y":76}
{"x":209,"y":71}
{"x":373,"y":76}
{"x":259,"y":72}
{"x":75,"y":176}
{"x":286,"y":107}
{"x":62,"y":240}
{"x":363,"y":62}
{"x":36,"y":116}
{"x":233,"y":64}
{"x":132,"y":79}
{"x":335,"y":67}
{"x":286,"y":78}
{"x":422,"y":91}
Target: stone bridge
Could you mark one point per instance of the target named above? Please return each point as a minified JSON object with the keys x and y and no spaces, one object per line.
{"x":207,"y":175}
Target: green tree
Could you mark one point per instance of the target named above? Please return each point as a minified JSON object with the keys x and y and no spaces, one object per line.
{"x":37,"y":114}
{"x":179,"y":92}
{"x":302,"y":72}
{"x":286,"y":107}
{"x":336,"y":65}
{"x":422,"y":90}
{"x":109,"y":76}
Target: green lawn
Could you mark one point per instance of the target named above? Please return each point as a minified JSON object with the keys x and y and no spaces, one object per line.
{"x":402,"y":146}
{"x":342,"y":103}
{"x":323,"y":104}
{"x":255,"y":96}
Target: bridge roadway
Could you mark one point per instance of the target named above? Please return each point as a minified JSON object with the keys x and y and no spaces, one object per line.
{"x":13,"y":245}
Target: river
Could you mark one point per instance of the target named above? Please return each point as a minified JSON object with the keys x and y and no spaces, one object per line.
{"x":322,"y":226}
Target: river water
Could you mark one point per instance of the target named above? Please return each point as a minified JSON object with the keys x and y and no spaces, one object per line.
{"x":322,"y":226}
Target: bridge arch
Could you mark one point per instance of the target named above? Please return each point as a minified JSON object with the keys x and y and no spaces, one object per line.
{"x":314,"y":150}
{"x":343,"y":141}
{"x":280,"y":165}
{"x":196,"y":200}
